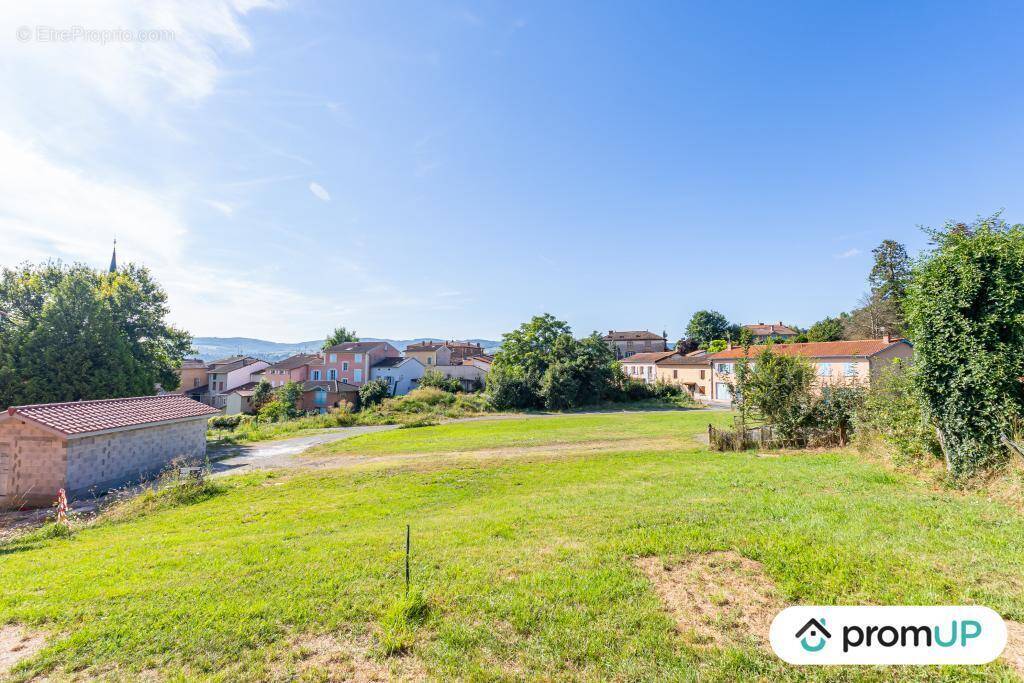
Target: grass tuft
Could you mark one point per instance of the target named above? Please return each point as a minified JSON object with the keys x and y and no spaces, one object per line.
{"x":177,"y":494}
{"x":398,"y":625}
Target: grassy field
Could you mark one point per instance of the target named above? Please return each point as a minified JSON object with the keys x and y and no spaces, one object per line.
{"x":523,"y":568}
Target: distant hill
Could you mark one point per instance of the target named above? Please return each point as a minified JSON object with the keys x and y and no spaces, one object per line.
{"x":211,"y":348}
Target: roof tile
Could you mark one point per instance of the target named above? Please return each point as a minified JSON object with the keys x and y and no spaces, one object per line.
{"x":84,"y":417}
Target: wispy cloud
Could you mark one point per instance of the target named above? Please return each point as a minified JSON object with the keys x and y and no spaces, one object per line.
{"x":849,"y":253}
{"x":319,"y":192}
{"x":226,"y":209}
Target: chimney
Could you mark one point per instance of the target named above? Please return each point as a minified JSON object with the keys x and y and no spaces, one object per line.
{"x":728,"y":345}
{"x":887,"y":338}
{"x":780,"y":323}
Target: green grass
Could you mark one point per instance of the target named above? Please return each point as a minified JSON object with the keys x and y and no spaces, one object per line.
{"x":522,"y":568}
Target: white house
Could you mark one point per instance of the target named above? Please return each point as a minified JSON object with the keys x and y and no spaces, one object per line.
{"x":402,"y":374}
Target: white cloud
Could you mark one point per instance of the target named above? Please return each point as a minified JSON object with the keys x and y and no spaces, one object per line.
{"x":319,"y":192}
{"x":226,"y":209}
{"x":849,"y":253}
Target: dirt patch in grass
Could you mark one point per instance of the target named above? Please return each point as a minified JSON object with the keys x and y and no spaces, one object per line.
{"x":16,"y":644}
{"x":718,"y":599}
{"x":1014,"y":652}
{"x":339,"y":658}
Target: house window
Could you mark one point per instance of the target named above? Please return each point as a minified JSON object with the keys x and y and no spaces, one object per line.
{"x":334,"y":358}
{"x":344,"y":366}
{"x":824,"y":369}
{"x":702,"y":374}
{"x":359,"y":375}
{"x":675,"y":374}
{"x":195,"y":381}
{"x":316,"y":375}
{"x":320,"y":397}
{"x":724,"y":368}
{"x":850,"y":370}
{"x":344,"y":380}
{"x":359,"y":358}
{"x":430,"y":360}
{"x":332,"y":374}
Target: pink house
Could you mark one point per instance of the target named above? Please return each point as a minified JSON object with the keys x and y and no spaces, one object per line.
{"x":294,"y":369}
{"x":350,"y":363}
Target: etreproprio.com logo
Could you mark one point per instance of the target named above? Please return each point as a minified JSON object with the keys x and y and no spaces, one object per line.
{"x":888,"y":635}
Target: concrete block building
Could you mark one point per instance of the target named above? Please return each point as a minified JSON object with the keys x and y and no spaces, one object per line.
{"x":88,"y":447}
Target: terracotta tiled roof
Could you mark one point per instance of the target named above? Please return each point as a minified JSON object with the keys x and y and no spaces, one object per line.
{"x":647,"y":357}
{"x":293,"y":362}
{"x":333,"y":386}
{"x":84,"y":417}
{"x":680,"y":359}
{"x":763,"y":330}
{"x":836,"y":349}
{"x":632,"y":335}
{"x":423,"y":347}
{"x":354,"y":347}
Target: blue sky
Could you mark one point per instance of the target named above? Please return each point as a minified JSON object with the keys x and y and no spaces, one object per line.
{"x":452,"y":168}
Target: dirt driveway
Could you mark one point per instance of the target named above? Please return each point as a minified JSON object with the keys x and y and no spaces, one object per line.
{"x":276,"y":454}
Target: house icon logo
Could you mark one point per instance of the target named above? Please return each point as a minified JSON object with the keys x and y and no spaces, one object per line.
{"x":815,"y":632}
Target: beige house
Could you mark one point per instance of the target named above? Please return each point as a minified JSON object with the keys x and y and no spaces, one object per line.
{"x":192,"y":374}
{"x":643,"y":366}
{"x":430,"y":354}
{"x":88,"y":447}
{"x":625,"y":344}
{"x":692,"y":373}
{"x":762,"y":332}
{"x":837,"y":363}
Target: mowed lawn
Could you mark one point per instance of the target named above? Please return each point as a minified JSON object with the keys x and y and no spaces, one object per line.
{"x":528,"y":565}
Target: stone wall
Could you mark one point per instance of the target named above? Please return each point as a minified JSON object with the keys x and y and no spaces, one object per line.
{"x":98,"y":463}
{"x":33,"y":463}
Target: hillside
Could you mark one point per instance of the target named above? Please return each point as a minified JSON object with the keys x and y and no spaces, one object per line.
{"x":210,"y":348}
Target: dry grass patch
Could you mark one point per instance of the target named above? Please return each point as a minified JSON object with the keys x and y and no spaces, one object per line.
{"x":336,"y":658}
{"x":718,"y":599}
{"x":1014,"y":652}
{"x":17,"y":644}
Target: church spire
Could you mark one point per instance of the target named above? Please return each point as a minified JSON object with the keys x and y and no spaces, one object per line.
{"x":113,"y":258}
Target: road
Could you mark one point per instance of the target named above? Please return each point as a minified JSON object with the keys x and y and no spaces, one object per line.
{"x":276,"y":454}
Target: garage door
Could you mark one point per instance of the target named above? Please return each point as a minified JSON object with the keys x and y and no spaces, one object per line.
{"x":722,"y":392}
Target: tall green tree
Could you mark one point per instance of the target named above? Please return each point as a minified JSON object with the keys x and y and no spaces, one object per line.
{"x":827,"y":329}
{"x":890,"y":274}
{"x":70,"y":333}
{"x":705,"y":326}
{"x":965,"y":307}
{"x":528,"y":350}
{"x":340,"y":335}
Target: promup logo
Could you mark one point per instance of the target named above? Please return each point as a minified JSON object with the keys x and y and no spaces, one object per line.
{"x":818,"y":635}
{"x":888,"y":635}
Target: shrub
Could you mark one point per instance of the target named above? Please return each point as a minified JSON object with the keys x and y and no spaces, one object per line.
{"x":224,"y":421}
{"x":275,"y":411}
{"x":373,"y":392}
{"x":777,"y":389}
{"x":509,"y":392}
{"x":560,"y":387}
{"x":892,"y":411}
{"x":834,"y":411}
{"x":437,"y":380}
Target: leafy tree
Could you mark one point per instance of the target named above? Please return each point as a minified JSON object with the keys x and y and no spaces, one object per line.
{"x":706,"y":326}
{"x":262,"y":394}
{"x":70,"y":333}
{"x":528,"y":350}
{"x":894,"y":411}
{"x":775,"y":388}
{"x":826,"y":330}
{"x":510,"y":392}
{"x":965,"y":308}
{"x":373,"y":392}
{"x":289,"y":395}
{"x":340,"y":336}
{"x":275,"y":411}
{"x":717,"y":345}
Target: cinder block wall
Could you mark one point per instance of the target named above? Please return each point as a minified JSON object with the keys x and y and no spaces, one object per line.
{"x":97,"y":463}
{"x":33,"y":463}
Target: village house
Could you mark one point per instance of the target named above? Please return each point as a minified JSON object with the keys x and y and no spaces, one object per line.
{"x":192,"y":375}
{"x":463,"y":350}
{"x":292,"y":369}
{"x":401,"y":374}
{"x":324,"y":395}
{"x":690,"y":372}
{"x":89,"y":447}
{"x":224,"y":376}
{"x":350,"y":362}
{"x":625,"y":344}
{"x":777,"y":331}
{"x":483,"y":361}
{"x":429,"y":353}
{"x":643,"y":366}
{"x":836,"y":363}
